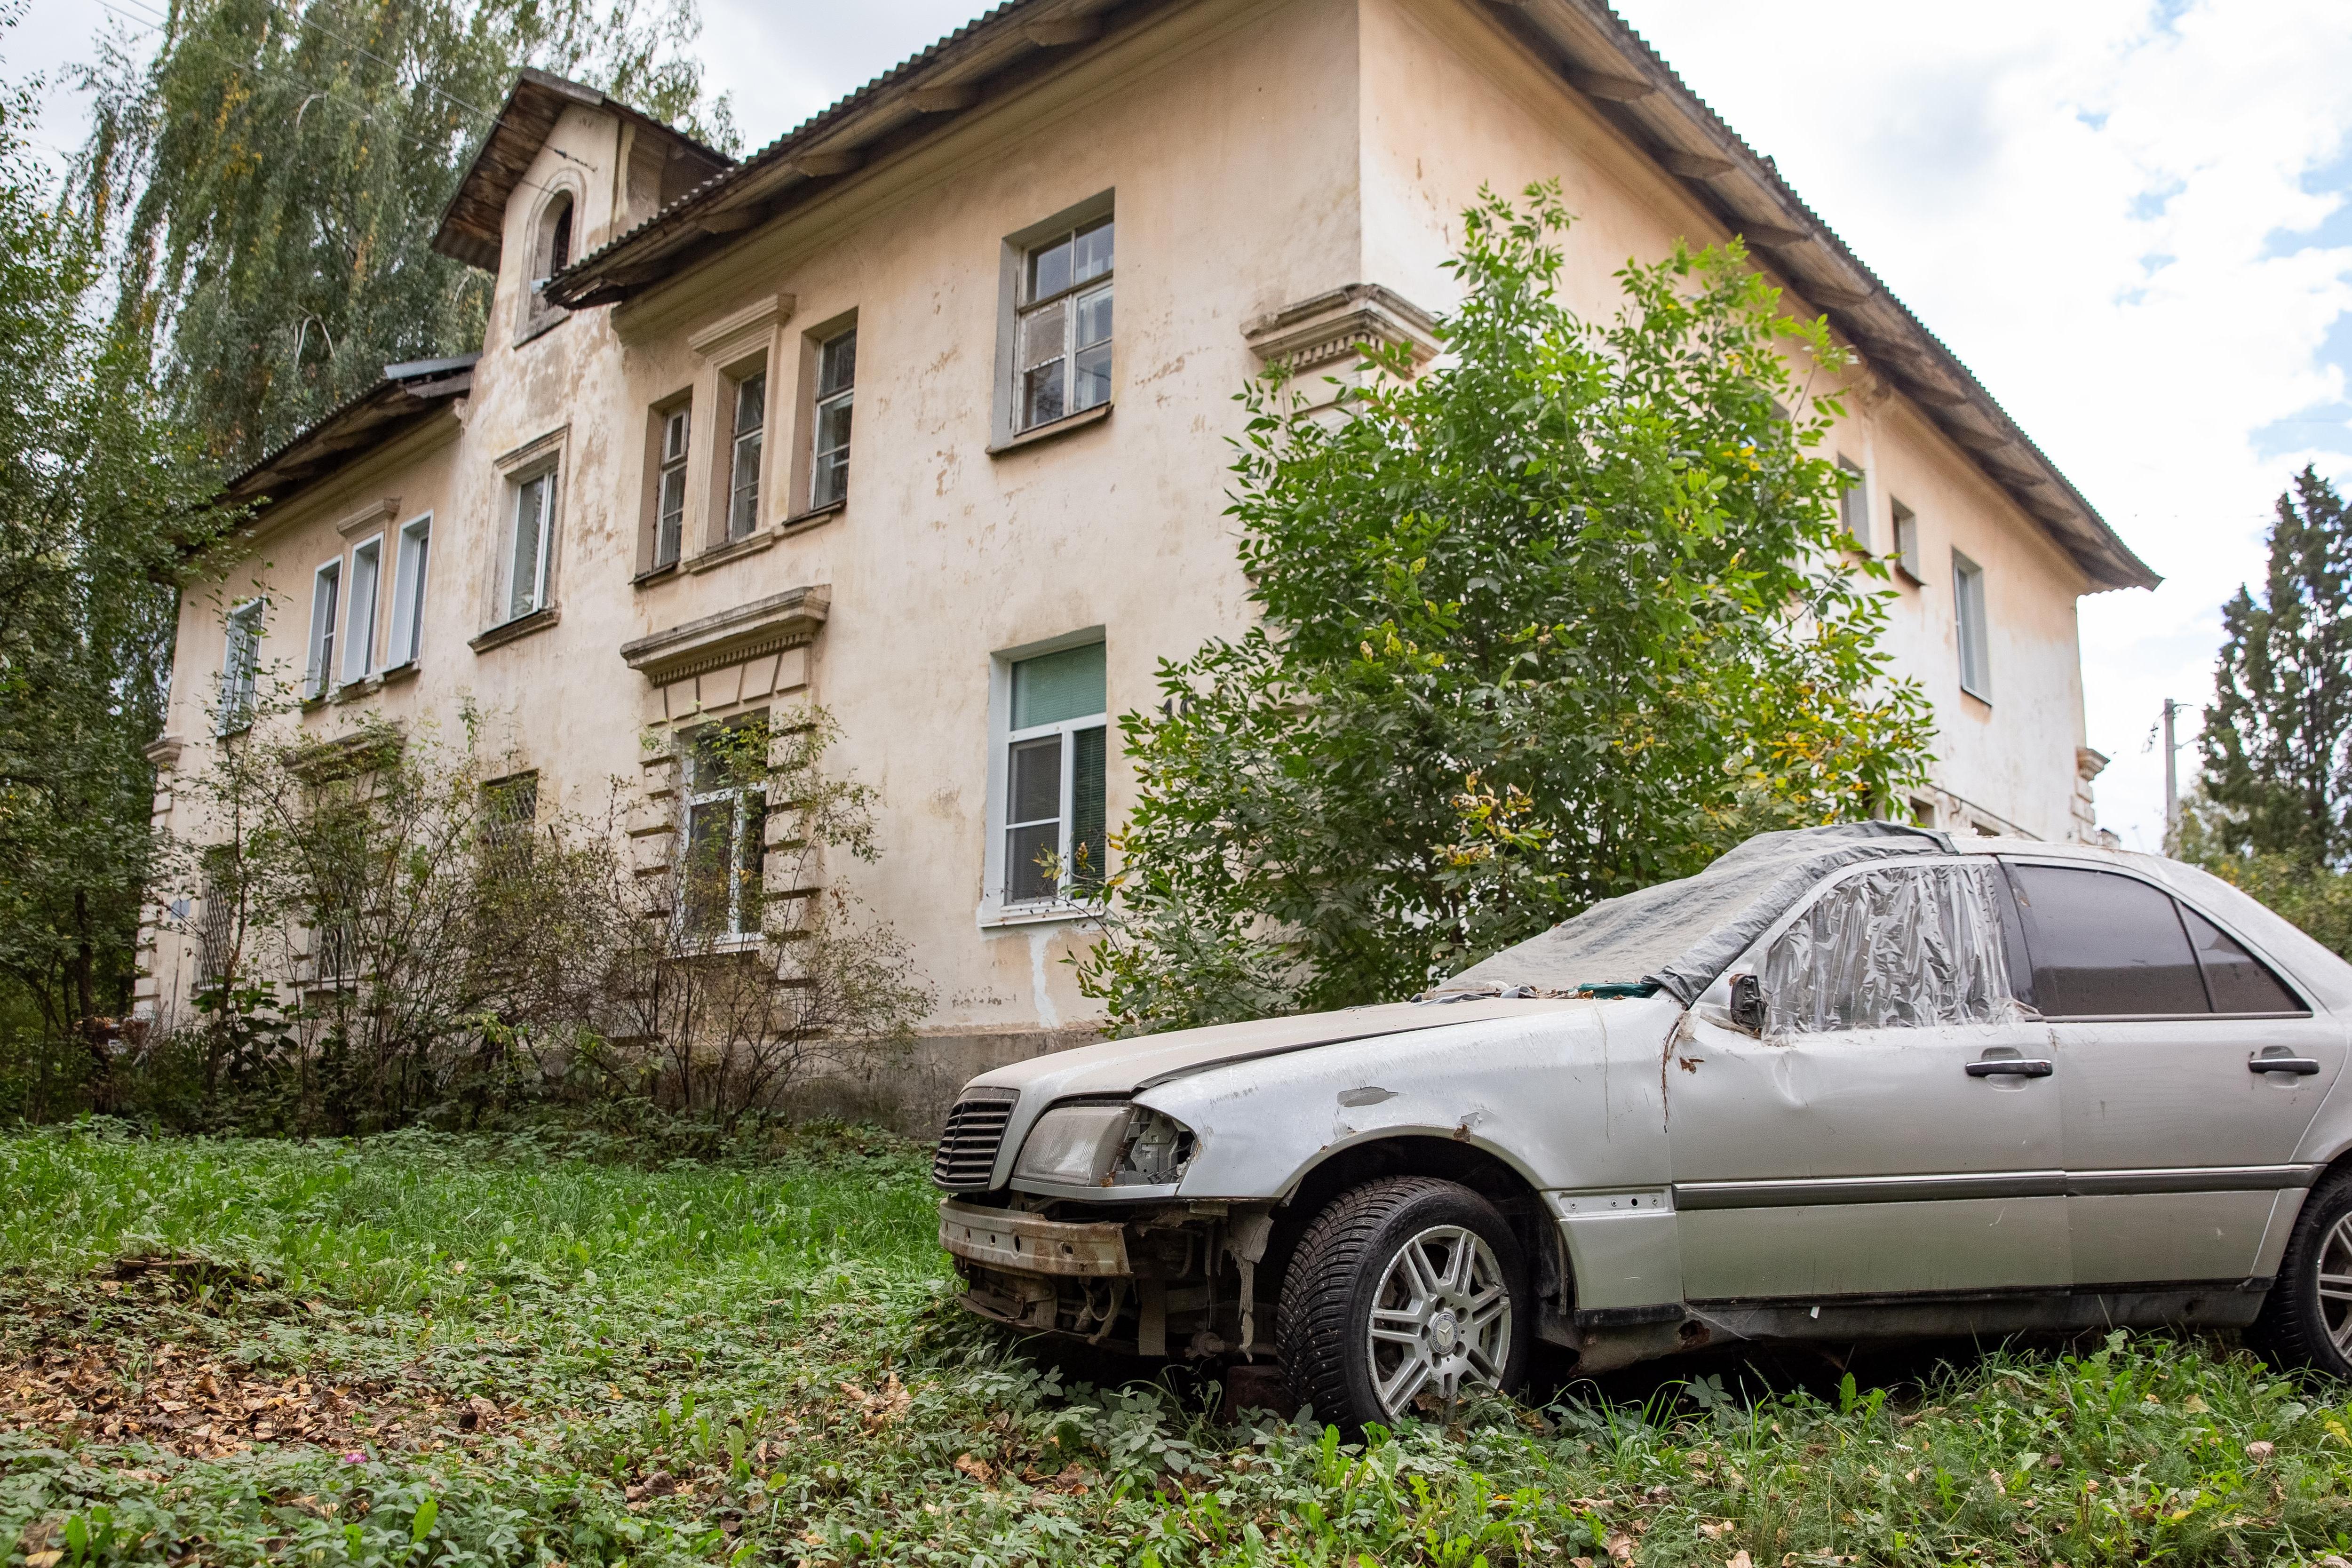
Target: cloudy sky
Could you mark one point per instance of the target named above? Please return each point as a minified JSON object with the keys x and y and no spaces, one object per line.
{"x":2131,"y":219}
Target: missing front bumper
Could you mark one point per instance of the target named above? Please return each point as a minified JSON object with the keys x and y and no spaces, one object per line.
{"x":1025,"y":1244}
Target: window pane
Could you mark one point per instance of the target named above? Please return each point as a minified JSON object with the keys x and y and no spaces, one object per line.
{"x":832,"y":482}
{"x":674,"y":437}
{"x":530,"y":523}
{"x":670,"y":527}
{"x":2239,"y":982}
{"x":1969,"y":607}
{"x":1042,"y":335}
{"x":1090,"y":830}
{"x":324,"y":602}
{"x":709,"y":872}
{"x":1059,"y":686}
{"x":751,"y":402}
{"x":744,"y":498}
{"x":2105,"y":944}
{"x":359,"y":636}
{"x":1041,"y":395}
{"x":750,"y":861}
{"x":1027,"y":852}
{"x":1907,"y":947}
{"x":1094,"y":318}
{"x":838,"y":364}
{"x":1049,"y":270}
{"x":1090,"y":381}
{"x":1854,"y":504}
{"x":1033,"y":793}
{"x":1092,"y":252}
{"x":408,"y":592}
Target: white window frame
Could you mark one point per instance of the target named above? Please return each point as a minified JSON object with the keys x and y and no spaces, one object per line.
{"x":1973,"y":628}
{"x":673,"y":449}
{"x":326,"y":604}
{"x":362,"y":579}
{"x":996,"y":903}
{"x":841,"y":398}
{"x":746,"y":447}
{"x":747,"y":900}
{"x":240,"y":665}
{"x":518,"y":486}
{"x":412,"y":580}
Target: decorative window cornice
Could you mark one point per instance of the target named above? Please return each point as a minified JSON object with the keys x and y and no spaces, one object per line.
{"x":781,"y":621}
{"x":1338,"y":324}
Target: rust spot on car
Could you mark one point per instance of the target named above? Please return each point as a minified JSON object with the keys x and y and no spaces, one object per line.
{"x":1689,"y":1064}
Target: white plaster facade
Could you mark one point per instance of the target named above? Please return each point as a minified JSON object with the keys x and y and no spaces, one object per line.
{"x":1282,"y":174}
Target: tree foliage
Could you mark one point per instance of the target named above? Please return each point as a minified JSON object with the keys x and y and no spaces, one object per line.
{"x":1561,"y":617}
{"x":277,"y":172}
{"x":2277,"y":741}
{"x":101,"y":499}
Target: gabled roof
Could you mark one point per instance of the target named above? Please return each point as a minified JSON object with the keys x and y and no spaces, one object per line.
{"x":408,"y":392}
{"x":1588,"y":44}
{"x":474,"y":222}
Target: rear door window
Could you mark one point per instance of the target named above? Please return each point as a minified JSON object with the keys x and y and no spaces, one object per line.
{"x":2239,"y":980}
{"x":2106,"y":945}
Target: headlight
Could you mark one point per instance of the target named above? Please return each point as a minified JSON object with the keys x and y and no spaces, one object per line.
{"x":1105,"y":1145}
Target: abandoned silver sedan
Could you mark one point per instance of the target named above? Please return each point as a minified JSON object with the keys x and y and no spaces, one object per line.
{"x":1849,"y":1082}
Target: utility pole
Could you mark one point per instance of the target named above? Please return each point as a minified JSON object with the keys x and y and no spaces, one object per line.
{"x":2171,"y":777}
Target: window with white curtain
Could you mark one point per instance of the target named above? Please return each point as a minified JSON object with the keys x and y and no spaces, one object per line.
{"x":529,"y":539}
{"x":407,"y":637}
{"x":744,"y":445}
{"x":359,"y":621}
{"x":326,"y":600}
{"x":240,"y":664}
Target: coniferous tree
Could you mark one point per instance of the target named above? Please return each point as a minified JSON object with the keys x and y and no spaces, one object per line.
{"x":270,"y":182}
{"x":2277,"y":744}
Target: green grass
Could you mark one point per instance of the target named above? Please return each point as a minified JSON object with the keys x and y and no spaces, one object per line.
{"x":759,"y":1362}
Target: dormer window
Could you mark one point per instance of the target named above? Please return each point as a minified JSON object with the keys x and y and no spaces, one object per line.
{"x":554,"y":239}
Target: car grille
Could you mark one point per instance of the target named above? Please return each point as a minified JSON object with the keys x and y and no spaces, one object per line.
{"x":968,"y":1143}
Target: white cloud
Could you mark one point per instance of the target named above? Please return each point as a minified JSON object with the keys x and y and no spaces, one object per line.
{"x":2131,"y":219}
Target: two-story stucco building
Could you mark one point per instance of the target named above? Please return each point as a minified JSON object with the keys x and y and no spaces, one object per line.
{"x":1036,"y":261}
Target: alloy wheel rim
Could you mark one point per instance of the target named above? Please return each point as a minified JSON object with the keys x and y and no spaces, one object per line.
{"x":1441,"y":1320}
{"x":2336,"y":1284}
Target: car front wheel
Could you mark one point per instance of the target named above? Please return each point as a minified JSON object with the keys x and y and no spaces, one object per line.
{"x":2307,"y":1318}
{"x":1402,"y":1295}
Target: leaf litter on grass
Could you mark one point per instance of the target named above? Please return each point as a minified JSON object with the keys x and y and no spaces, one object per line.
{"x":759,"y":1361}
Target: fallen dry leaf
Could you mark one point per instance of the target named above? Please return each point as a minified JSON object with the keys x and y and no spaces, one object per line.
{"x":978,"y":1469}
{"x":1740,"y":1559}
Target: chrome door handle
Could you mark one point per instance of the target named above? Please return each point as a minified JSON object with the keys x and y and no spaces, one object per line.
{"x":2013,"y":1067}
{"x":2302,"y":1066}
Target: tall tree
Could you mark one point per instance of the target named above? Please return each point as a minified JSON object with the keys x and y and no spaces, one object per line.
{"x":273,"y":177}
{"x":2277,"y":744}
{"x":1559,"y":618}
{"x":101,"y":497}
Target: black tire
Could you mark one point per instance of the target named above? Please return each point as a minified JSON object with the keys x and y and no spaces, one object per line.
{"x":1343,"y":1263}
{"x":2298,"y":1327}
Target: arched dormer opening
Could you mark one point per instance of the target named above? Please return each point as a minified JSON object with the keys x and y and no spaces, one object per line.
{"x":553,"y":251}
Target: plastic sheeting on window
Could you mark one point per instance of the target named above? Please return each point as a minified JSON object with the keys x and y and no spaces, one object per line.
{"x":1906,"y":947}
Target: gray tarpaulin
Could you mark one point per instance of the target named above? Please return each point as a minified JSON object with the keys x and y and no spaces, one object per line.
{"x":1680,"y":935}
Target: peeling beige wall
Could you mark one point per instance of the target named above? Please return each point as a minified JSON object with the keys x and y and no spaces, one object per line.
{"x":1260,"y":154}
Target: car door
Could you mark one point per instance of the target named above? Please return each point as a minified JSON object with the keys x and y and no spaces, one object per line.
{"x":2178,"y":1143}
{"x":1894,"y":1128}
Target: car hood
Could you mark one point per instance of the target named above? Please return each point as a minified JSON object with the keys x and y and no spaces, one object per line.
{"x":1129,"y":1067}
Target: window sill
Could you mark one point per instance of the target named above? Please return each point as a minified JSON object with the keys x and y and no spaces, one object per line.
{"x":999,"y":917}
{"x":358,"y":690}
{"x":1061,"y":427}
{"x":815,"y":517}
{"x":520,"y":626}
{"x":657,"y":574}
{"x":540,"y":321}
{"x":733,"y":549}
{"x":1978,"y":697}
{"x":405,"y":670}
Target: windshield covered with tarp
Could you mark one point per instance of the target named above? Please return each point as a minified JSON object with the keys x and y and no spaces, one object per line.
{"x":1678,"y":936}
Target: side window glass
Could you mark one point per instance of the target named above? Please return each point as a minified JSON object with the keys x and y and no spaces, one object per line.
{"x":2237,"y":979}
{"x":2104,"y":945}
{"x":1905,"y":947}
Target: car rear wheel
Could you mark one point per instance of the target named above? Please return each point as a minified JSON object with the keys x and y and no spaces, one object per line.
{"x":1402,"y":1295}
{"x":2307,"y":1318}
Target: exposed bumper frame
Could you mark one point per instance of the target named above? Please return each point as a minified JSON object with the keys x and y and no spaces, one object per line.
{"x":1025,"y":1244}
